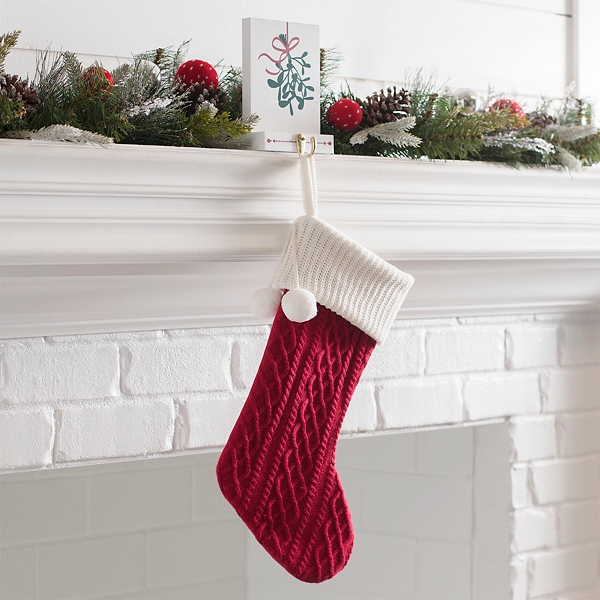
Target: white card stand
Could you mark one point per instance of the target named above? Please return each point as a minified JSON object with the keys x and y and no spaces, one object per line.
{"x":286,"y":142}
{"x":272,"y":52}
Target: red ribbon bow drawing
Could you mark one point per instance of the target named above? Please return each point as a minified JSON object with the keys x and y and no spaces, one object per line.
{"x":283,"y":47}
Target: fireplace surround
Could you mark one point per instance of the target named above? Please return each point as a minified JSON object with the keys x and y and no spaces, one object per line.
{"x":125,"y":333}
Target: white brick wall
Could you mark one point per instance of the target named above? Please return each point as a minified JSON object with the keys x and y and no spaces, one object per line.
{"x":83,"y":399}
{"x":562,"y":569}
{"x":533,"y":437}
{"x":466,"y":348}
{"x":182,"y":390}
{"x":556,"y":473}
{"x":421,"y":401}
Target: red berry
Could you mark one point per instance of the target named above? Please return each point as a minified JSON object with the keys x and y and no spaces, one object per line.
{"x":514,"y":107}
{"x":94,"y":72}
{"x":345,"y":114}
{"x":197,"y":71}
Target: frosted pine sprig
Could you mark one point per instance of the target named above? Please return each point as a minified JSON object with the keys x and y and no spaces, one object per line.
{"x":525,"y":143}
{"x":568,"y":160}
{"x":568,"y":133}
{"x":147,"y":107}
{"x":62,"y":133}
{"x":395,"y":132}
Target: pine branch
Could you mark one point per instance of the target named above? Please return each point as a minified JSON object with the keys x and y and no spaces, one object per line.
{"x":568,"y":133}
{"x":160,"y":126}
{"x":450,"y":135}
{"x":394,"y":133}
{"x":512,"y":156}
{"x":214,"y":131}
{"x":587,"y":150}
{"x":231,"y":84}
{"x":511,"y":139}
{"x":136,"y":82}
{"x":574,"y":111}
{"x":446,"y":132}
{"x":67,"y":98}
{"x":567,"y":160}
{"x":7,"y":42}
{"x":329,"y":62}
{"x":12,"y":115}
{"x":424,"y":92}
{"x":62,"y":133}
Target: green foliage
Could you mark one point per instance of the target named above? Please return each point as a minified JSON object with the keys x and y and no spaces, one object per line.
{"x":11,"y":115}
{"x":329,"y":62}
{"x":575,"y":111}
{"x":135,"y":110}
{"x":231,"y":84}
{"x":450,"y":135}
{"x":161,"y":126}
{"x":67,"y":97}
{"x":586,"y":149}
{"x":136,"y":83}
{"x":513,"y":156}
{"x":204,"y":129}
{"x":447,"y":133}
{"x":7,"y":42}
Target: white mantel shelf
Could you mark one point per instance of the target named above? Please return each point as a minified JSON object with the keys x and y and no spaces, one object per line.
{"x":132,"y":238}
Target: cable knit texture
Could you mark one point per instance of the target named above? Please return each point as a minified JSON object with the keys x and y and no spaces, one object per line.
{"x":278,"y":467}
{"x":343,"y":276}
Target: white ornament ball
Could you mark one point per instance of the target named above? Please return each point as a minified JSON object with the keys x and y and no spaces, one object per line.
{"x":151,"y":72}
{"x":265,"y":302}
{"x":299,"y":305}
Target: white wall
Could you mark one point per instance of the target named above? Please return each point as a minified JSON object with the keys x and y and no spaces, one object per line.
{"x":519,"y":47}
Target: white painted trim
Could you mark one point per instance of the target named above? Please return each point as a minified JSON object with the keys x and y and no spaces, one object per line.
{"x":132,"y":237}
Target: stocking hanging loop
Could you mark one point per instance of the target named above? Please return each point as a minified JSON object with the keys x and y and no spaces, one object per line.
{"x":308,"y":181}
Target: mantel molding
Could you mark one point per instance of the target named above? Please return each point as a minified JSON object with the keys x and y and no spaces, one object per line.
{"x":131,"y":237}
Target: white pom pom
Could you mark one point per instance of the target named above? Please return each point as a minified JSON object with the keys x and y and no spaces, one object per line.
{"x":265,"y":302}
{"x":299,"y":305}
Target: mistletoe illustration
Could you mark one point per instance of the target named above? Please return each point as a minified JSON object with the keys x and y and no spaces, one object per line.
{"x":290,"y":81}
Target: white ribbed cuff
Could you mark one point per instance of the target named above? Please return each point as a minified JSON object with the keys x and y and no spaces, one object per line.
{"x":343,"y":276}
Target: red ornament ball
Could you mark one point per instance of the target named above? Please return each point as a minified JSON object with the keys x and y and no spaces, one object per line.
{"x":94,"y":72}
{"x":345,"y":114}
{"x":197,"y":71}
{"x":514,"y":107}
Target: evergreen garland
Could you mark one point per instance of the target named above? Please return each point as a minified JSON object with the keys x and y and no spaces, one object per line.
{"x":135,"y":110}
{"x":65,"y":102}
{"x":447,"y":133}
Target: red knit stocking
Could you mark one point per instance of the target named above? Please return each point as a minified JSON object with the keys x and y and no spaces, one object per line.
{"x":278,"y":467}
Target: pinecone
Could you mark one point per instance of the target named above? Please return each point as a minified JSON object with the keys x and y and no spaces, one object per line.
{"x":539,"y":119}
{"x":385,"y":108}
{"x":18,"y":90}
{"x":197,"y":94}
